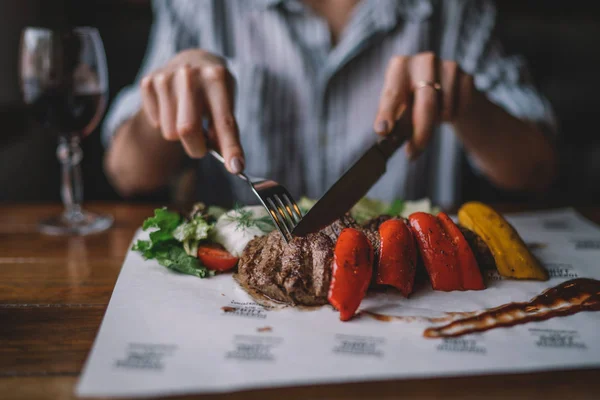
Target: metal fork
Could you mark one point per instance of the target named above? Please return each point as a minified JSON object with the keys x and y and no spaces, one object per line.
{"x":280,"y":204}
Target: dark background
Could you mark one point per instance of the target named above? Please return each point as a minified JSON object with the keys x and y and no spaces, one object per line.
{"x":560,"y":40}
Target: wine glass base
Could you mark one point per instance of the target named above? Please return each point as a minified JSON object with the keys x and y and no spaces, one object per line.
{"x":83,"y":223}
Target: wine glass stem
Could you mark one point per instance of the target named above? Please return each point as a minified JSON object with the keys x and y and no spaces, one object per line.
{"x":69,"y":154}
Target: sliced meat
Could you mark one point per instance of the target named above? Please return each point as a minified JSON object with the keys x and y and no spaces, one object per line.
{"x":260,"y":266}
{"x":334,"y":230}
{"x":306,"y":269}
{"x":297,"y":274}
{"x":375,"y":240}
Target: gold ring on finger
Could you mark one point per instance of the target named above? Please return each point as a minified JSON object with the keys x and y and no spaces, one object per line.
{"x":434,"y":85}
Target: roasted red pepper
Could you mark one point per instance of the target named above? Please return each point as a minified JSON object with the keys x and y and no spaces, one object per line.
{"x":352,"y":269}
{"x":437,"y":250}
{"x":397,"y":256}
{"x":469,"y":269}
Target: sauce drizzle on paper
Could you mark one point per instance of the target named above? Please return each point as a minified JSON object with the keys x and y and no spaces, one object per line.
{"x":568,"y":298}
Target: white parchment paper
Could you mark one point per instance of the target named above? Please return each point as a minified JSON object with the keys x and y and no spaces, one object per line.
{"x":166,"y":333}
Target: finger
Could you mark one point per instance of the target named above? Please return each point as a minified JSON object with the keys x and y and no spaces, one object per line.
{"x":464,"y":93}
{"x":395,"y":93}
{"x":166,"y":105}
{"x":149,"y":101}
{"x":211,"y":134}
{"x":189,"y":113}
{"x":450,"y":87}
{"x":220,"y":103}
{"x":425,"y":106}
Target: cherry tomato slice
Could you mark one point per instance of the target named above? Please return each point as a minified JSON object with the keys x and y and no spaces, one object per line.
{"x":216,"y":258}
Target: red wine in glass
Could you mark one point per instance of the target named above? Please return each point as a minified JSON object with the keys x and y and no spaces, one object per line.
{"x":68,"y":114}
{"x":65,"y":84}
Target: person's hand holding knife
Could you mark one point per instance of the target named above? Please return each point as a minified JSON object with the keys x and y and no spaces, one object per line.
{"x":513,"y":153}
{"x":439,"y":91}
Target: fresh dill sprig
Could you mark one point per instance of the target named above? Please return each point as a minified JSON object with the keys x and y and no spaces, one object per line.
{"x":245,"y":219}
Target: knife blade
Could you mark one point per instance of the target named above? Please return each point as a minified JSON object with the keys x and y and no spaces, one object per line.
{"x":356,"y":181}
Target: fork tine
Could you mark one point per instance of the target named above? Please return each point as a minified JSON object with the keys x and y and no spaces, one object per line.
{"x":278,"y":224}
{"x":280,"y":208}
{"x":292,"y":208}
{"x":288,"y":218}
{"x":282,"y":226}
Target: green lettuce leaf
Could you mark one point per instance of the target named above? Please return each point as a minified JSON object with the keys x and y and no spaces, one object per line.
{"x":176,"y":259}
{"x":367,"y":209}
{"x":396,"y":208}
{"x":164,"y":246}
{"x":142,"y":246}
{"x":163,"y":220}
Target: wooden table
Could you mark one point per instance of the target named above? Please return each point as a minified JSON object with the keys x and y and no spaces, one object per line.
{"x":54,"y":292}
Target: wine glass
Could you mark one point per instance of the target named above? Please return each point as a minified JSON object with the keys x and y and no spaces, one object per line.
{"x":64,"y":81}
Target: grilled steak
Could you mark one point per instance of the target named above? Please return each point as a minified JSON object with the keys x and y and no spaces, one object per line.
{"x":334,"y":230}
{"x":307,"y":264}
{"x":294,"y":273}
{"x":260,"y":263}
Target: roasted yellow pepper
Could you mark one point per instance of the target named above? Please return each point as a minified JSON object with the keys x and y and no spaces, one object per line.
{"x":513,"y":258}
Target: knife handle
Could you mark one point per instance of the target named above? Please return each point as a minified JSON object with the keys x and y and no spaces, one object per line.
{"x":402,"y":131}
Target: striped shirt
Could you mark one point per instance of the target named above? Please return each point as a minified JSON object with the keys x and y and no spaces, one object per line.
{"x":305,"y":107}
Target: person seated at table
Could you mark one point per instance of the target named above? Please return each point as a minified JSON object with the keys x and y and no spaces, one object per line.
{"x":293,"y":90}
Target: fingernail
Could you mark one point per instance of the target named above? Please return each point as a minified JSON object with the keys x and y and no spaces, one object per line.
{"x":381,"y":127}
{"x":237,"y":165}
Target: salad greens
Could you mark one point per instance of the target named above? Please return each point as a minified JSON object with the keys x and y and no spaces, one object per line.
{"x":171,"y":241}
{"x":396,"y":207}
{"x":191,"y":233}
{"x":368,"y":208}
